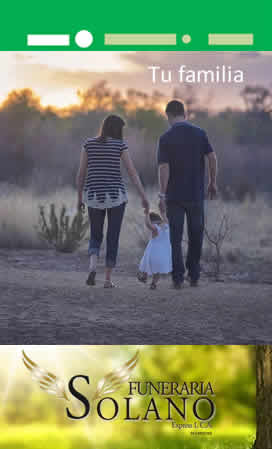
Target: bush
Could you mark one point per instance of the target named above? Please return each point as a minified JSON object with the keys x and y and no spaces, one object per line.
{"x":216,"y":239}
{"x":63,"y":231}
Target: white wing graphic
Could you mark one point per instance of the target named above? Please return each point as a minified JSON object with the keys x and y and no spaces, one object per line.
{"x":113,"y":381}
{"x":46,"y":380}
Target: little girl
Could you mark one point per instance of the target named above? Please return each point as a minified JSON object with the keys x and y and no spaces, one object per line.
{"x":157,"y":258}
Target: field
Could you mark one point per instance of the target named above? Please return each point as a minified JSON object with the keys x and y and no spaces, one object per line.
{"x":44,"y":293}
{"x":246,"y":250}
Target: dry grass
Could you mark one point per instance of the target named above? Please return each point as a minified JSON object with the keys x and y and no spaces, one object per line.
{"x":249,"y":236}
{"x":19,"y":212}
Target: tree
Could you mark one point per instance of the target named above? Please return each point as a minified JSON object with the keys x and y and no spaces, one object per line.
{"x":255,"y":124}
{"x":264,"y":397}
{"x":257,"y":99}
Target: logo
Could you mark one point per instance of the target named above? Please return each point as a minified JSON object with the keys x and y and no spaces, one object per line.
{"x":163,"y":400}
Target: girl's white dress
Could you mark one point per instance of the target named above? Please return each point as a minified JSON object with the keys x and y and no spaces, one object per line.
{"x":157,"y":257}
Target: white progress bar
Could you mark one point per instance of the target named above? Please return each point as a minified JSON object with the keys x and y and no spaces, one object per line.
{"x":40,"y":40}
{"x":231,"y":39}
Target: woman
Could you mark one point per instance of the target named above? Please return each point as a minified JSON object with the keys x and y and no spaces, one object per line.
{"x":101,"y":187}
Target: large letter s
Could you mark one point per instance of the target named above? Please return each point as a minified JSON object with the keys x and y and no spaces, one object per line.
{"x":79,"y":396}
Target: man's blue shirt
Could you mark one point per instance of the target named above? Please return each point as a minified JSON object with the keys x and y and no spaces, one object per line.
{"x":184,"y":147}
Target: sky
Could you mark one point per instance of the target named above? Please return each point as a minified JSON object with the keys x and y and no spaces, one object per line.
{"x":56,"y":76}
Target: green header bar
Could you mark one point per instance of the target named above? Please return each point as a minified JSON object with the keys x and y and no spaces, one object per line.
{"x":174,"y":26}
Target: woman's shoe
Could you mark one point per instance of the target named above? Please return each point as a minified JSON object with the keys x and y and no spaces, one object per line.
{"x":109,"y":284}
{"x":153,"y":286}
{"x":91,"y":278}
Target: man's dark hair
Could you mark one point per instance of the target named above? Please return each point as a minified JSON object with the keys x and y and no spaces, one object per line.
{"x":175,"y":108}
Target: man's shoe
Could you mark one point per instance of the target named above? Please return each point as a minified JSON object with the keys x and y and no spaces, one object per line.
{"x":177,"y":285}
{"x":193,"y":283}
{"x":91,"y":278}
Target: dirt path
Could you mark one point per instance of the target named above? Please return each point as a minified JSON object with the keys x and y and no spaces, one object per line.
{"x":45,"y":301}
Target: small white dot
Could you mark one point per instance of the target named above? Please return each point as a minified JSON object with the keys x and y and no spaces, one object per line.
{"x":84,"y":39}
{"x":186,"y":39}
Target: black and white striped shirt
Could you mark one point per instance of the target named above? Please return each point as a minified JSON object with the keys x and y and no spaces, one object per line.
{"x":104,"y":186}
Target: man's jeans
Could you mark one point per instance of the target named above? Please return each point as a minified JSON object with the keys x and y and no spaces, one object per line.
{"x":97,"y":219}
{"x":195,"y":224}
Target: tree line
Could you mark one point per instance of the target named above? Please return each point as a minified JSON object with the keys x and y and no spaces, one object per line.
{"x":40,"y":146}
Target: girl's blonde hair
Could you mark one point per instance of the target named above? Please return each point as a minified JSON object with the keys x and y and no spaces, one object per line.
{"x":154,"y":217}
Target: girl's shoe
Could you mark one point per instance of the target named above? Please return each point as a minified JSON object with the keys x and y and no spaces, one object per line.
{"x":109,"y":284}
{"x":153,"y":286}
{"x":91,"y":278}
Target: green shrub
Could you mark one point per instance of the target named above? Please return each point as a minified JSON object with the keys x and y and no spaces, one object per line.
{"x":61,"y":230}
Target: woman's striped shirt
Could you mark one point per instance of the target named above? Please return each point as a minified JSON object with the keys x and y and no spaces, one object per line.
{"x":104,"y":187}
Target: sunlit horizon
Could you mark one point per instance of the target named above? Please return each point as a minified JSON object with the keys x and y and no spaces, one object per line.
{"x":57,"y":76}
{"x":58,"y":62}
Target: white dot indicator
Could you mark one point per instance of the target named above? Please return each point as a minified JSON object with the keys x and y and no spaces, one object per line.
{"x":186,"y":39}
{"x":84,"y":39}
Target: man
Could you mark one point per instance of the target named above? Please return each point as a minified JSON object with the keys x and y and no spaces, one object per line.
{"x":181,"y":158}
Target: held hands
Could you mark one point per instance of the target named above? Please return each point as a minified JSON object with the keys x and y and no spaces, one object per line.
{"x":162,"y":206}
{"x":212,"y":191}
{"x":164,"y":217}
{"x":146,"y":206}
{"x":80,"y":205}
{"x":155,"y":233}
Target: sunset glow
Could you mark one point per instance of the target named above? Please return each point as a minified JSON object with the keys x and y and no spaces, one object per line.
{"x":57,"y":76}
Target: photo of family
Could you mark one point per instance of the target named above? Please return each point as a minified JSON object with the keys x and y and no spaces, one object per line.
{"x":135,"y":209}
{"x":181,"y":192}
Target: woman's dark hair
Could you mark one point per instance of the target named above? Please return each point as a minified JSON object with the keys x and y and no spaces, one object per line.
{"x":112,"y":127}
{"x":153,"y":216}
{"x":175,"y":108}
